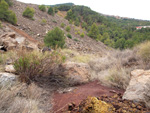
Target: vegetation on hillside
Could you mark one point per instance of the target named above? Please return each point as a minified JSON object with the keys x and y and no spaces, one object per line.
{"x":51,"y":11}
{"x":55,"y":38}
{"x":117,"y":33}
{"x":6,"y":14}
{"x":42,"y":8}
{"x":29,"y":12}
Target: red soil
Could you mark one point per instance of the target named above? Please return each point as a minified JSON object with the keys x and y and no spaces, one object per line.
{"x":82,"y":92}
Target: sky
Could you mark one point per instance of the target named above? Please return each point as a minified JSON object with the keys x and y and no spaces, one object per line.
{"x":138,"y":9}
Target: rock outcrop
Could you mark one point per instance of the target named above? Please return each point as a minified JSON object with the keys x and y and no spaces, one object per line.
{"x":139,"y":87}
{"x":7,"y":79}
{"x":10,"y":69}
{"x":77,"y":73}
{"x":10,"y":41}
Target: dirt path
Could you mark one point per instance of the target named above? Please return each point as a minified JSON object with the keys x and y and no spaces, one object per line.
{"x":61,"y":100}
{"x":22,"y":33}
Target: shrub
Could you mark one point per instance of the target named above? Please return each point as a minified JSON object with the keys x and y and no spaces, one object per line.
{"x":43,"y":22}
{"x":55,"y":38}
{"x":42,"y":8}
{"x":62,"y":25}
{"x":6,"y":14}
{"x":29,"y":12}
{"x":68,"y":28}
{"x":9,"y":2}
{"x":76,"y":39}
{"x":12,"y":17}
{"x":144,"y":51}
{"x":82,"y":35}
{"x":51,"y":11}
{"x":30,"y":65}
{"x":69,"y":36}
{"x":54,"y":21}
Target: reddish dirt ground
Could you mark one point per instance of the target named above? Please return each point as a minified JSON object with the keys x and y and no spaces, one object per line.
{"x":82,"y":92}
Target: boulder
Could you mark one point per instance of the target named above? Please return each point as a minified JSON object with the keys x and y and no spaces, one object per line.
{"x":10,"y":69}
{"x":77,"y":73}
{"x":7,"y":79}
{"x":139,"y":87}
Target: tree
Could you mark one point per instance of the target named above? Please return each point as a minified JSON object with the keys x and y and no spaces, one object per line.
{"x":51,"y":11}
{"x":120,"y":43}
{"x":55,"y":38}
{"x":28,"y":12}
{"x":94,"y":33}
{"x":42,"y":8}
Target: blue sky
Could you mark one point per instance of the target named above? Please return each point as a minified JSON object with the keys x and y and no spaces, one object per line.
{"x":139,"y":9}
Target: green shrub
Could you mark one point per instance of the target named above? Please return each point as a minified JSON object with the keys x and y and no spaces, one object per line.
{"x":12,"y":17}
{"x":51,"y":11}
{"x":43,"y":22}
{"x":9,"y":2}
{"x":6,"y":14}
{"x":42,"y":8}
{"x":68,"y":28}
{"x":82,"y":35}
{"x":76,"y":40}
{"x":54,"y":21}
{"x":30,"y":65}
{"x":62,"y":25}
{"x":29,"y":12}
{"x":55,"y":38}
{"x":69,"y":36}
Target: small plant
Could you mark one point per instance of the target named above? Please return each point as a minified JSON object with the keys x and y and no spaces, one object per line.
{"x":62,"y":25}
{"x":43,"y":22}
{"x":76,"y":39}
{"x":55,"y":38}
{"x":69,"y":36}
{"x":42,"y":8}
{"x":68,"y":28}
{"x":54,"y":21}
{"x":29,"y":12}
{"x":82,"y":35}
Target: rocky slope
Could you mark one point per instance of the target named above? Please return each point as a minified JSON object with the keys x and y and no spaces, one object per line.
{"x":35,"y":29}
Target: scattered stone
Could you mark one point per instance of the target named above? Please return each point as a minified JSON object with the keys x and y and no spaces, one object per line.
{"x":10,"y":69}
{"x":139,"y":87}
{"x":7,"y":79}
{"x":107,"y":104}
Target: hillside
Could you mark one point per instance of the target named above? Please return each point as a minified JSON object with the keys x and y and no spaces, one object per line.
{"x":117,"y":33}
{"x":62,"y":60}
{"x":38,"y":31}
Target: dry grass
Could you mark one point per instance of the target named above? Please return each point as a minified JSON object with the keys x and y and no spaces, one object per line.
{"x":144,"y":51}
{"x":20,"y":98}
{"x":114,"y":68}
{"x":75,"y":56}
